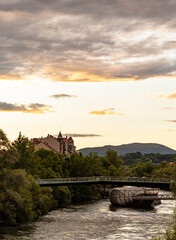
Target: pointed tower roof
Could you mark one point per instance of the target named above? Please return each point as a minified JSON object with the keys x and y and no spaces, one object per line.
{"x":60,"y":136}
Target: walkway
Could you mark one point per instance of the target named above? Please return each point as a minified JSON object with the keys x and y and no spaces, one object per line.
{"x":130,"y":181}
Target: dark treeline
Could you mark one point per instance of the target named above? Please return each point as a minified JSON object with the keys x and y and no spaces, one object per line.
{"x":22,"y":200}
{"x":155,"y":158}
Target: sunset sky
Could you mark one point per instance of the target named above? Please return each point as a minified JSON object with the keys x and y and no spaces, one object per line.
{"x":103,"y":71}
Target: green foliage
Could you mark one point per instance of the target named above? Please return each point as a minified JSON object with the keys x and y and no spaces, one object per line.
{"x":20,"y":197}
{"x":48,"y":164}
{"x":156,"y":158}
{"x":8,"y":157}
{"x":173,"y":178}
{"x":170,"y":233}
{"x":113,"y":158}
{"x":130,"y":158}
{"x":45,"y":202}
{"x":143,"y":169}
{"x":147,"y":169}
{"x":164,"y":170}
{"x":95,"y":165}
{"x":4,"y":142}
{"x":84,"y":193}
{"x":77,"y":166}
{"x":26,"y":160}
{"x":62,"y":196}
{"x":112,"y":163}
{"x":8,"y":154}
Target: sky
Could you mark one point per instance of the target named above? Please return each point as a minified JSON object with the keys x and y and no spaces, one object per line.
{"x":101,"y":71}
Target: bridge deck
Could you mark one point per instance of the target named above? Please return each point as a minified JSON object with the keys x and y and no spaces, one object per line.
{"x":131,"y":181}
{"x":104,"y":180}
{"x":157,"y":197}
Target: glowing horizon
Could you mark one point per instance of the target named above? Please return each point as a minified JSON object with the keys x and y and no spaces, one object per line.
{"x":94,"y":68}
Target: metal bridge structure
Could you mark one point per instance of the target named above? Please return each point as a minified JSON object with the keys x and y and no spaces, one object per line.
{"x":161,"y":183}
{"x":157,"y":197}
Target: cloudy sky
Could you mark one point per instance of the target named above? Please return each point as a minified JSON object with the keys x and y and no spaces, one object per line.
{"x":104,"y":70}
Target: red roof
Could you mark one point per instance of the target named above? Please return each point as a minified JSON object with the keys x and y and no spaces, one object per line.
{"x":70,"y":140}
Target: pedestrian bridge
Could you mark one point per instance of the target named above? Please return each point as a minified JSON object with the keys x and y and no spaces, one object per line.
{"x":156,"y":197}
{"x":162,"y":183}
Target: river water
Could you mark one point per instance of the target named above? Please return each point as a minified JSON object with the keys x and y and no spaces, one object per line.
{"x":95,"y":221}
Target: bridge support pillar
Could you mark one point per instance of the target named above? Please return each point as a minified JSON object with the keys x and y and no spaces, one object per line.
{"x":104,"y":191}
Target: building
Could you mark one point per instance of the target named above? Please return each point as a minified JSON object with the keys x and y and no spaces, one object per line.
{"x":61,"y":145}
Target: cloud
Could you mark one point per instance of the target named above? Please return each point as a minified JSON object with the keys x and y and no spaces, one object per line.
{"x":82,"y":135}
{"x":139,"y":9}
{"x":109,"y":111}
{"x":170,"y":96}
{"x":168,"y":108}
{"x":62,"y":95}
{"x":173,"y":121}
{"x":31,"y":108}
{"x":87,"y":41}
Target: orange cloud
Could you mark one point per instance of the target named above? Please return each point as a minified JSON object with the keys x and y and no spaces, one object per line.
{"x":168,"y":108}
{"x":14,"y":15}
{"x":11,"y":77}
{"x":170,"y":96}
{"x":74,"y":75}
{"x":109,"y":111}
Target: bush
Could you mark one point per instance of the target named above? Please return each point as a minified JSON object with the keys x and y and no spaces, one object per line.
{"x":21,"y":199}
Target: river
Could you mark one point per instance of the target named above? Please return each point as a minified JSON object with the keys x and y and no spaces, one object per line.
{"x":95,"y":221}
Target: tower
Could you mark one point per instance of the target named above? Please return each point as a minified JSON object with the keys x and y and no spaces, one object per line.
{"x":59,"y":137}
{"x":61,"y":143}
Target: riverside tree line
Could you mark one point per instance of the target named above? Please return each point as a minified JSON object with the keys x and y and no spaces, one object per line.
{"x":22,"y":200}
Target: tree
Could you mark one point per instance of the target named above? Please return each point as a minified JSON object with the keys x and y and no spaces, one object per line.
{"x":173,"y":177}
{"x":21,"y":198}
{"x":4,"y":142}
{"x":147,"y":169}
{"x":8,"y":154}
{"x":26,"y":151}
{"x":95,"y":165}
{"x":113,"y":163}
{"x":113,"y":158}
{"x":62,"y":196}
{"x":49,"y":164}
{"x":144,"y":169}
{"x":113,"y":171}
{"x":78,"y":167}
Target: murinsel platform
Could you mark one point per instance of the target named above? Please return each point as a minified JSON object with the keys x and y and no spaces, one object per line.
{"x":136,"y":196}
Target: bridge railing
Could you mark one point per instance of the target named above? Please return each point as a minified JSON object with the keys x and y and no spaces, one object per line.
{"x":141,"y":179}
{"x":105,"y":178}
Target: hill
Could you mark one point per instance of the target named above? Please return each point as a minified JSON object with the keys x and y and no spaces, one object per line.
{"x":130,"y":148}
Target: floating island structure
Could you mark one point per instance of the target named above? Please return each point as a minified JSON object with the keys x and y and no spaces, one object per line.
{"x":134,"y":196}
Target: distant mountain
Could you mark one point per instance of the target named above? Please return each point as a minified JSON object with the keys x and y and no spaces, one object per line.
{"x":130,"y":148}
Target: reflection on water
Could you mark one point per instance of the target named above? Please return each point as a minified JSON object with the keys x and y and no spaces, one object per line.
{"x":95,"y":221}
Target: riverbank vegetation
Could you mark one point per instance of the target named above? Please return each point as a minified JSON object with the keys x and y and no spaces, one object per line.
{"x":22,"y":200}
{"x":170,"y":233}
